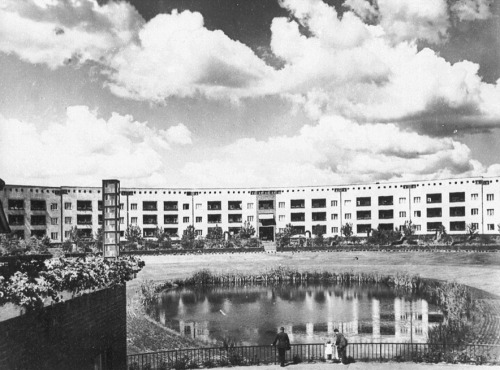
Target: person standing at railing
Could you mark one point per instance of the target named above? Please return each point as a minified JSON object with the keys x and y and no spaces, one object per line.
{"x":328,"y":350}
{"x":341,"y":343}
{"x":282,"y":342}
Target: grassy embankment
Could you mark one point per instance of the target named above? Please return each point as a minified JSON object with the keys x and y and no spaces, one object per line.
{"x":478,"y":270}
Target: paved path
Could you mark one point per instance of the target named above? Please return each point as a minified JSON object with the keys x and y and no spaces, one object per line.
{"x":370,"y":366}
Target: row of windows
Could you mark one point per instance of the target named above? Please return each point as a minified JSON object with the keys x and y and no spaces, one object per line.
{"x":86,"y":205}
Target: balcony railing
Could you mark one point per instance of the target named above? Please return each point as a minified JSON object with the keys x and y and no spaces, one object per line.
{"x":84,"y":209}
{"x":171,"y":221}
{"x":258,"y":355}
{"x":214,"y":208}
{"x":300,"y":219}
{"x":235,"y":220}
{"x":218,"y":221}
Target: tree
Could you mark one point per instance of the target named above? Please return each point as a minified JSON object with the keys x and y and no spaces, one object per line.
{"x":98,"y":240}
{"x":215,"y":236}
{"x":188,"y":237}
{"x":472,"y":231}
{"x":133,"y":234}
{"x":347,"y":230}
{"x":408,"y":229}
{"x":283,"y":238}
{"x":247,"y":230}
{"x":318,"y":232}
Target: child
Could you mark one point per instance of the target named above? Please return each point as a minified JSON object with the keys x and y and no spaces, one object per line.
{"x":328,"y":350}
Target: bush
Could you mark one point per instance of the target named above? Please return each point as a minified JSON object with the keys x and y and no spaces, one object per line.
{"x":296,"y":359}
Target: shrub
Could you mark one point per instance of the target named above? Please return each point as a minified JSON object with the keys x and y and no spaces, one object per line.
{"x":296,"y":359}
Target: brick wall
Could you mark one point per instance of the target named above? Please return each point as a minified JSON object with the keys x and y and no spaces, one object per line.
{"x":77,"y":334}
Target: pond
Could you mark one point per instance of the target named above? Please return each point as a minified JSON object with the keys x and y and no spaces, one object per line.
{"x":251,"y":315}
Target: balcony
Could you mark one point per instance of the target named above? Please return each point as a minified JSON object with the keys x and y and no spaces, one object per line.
{"x":170,"y":206}
{"x":16,"y":220}
{"x":16,"y":204}
{"x":84,"y":220}
{"x":385,"y":201}
{"x":433,"y":226}
{"x":297,"y":217}
{"x":434,"y":212}
{"x":384,"y":215}
{"x":457,"y":211}
{"x":320,"y":216}
{"x":318,"y":203}
{"x":234,"y":205}
{"x":214,"y":206}
{"x":434,"y":198}
{"x":149,"y":220}
{"x":84,"y":205}
{"x":170,"y":220}
{"x":363,"y":215}
{"x":363,"y":202}
{"x":297,"y":203}
{"x":149,"y":206}
{"x":38,"y":205}
{"x":235,"y":219}
{"x":457,"y":197}
{"x":38,"y":221}
{"x":214,"y":219}
{"x":457,"y":226}
{"x":266,"y":204}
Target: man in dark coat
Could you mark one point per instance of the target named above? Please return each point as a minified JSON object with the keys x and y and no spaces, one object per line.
{"x":283,"y":343}
{"x":341,"y":344}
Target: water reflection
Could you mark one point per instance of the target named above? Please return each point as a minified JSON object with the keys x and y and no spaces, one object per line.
{"x":250,"y":315}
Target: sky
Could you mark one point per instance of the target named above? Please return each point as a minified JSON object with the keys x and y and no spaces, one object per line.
{"x":237,"y":93}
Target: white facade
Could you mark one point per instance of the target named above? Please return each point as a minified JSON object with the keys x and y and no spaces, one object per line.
{"x":454,"y":203}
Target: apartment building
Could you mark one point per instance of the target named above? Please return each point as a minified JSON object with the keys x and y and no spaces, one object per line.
{"x":453,"y":203}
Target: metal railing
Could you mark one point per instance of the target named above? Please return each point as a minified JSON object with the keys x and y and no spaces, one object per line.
{"x":254,"y":355}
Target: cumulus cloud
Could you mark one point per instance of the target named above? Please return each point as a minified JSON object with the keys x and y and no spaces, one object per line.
{"x":86,"y":147}
{"x":334,"y":151}
{"x":177,"y":56}
{"x":470,"y":10}
{"x":59,"y":32}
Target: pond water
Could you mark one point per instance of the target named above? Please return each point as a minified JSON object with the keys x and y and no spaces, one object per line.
{"x":251,"y":315}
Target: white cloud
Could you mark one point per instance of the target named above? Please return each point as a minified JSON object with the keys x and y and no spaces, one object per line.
{"x":60,"y":32}
{"x":177,"y":56}
{"x":178,"y":134}
{"x":470,"y":10}
{"x":333,"y":152}
{"x":84,"y":148}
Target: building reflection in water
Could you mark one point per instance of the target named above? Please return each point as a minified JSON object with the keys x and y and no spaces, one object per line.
{"x":252,"y":315}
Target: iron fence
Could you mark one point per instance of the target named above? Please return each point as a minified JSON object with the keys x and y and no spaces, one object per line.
{"x":255,"y":355}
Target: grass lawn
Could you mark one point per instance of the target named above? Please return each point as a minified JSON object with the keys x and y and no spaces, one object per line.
{"x":478,"y":270}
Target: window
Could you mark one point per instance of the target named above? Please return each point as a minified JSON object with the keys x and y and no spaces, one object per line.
{"x":385,"y":214}
{"x":185,"y":220}
{"x":121,"y":206}
{"x":133,"y":206}
{"x":53,"y":206}
{"x":54,"y":220}
{"x":490,"y":212}
{"x":67,"y":234}
{"x":38,"y":220}
{"x":335,"y":229}
{"x":416,"y":199}
{"x":491,"y":227}
{"x":490,"y":197}
{"x":133,"y":220}
{"x":249,"y":205}
{"x":417,"y":213}
{"x":402,"y":200}
{"x":433,"y":226}
{"x":235,"y":218}
{"x":67,"y":220}
{"x":363,"y":215}
{"x":16,"y":220}
{"x":418,"y":227}
{"x":434,"y":212}
{"x":54,"y":236}
{"x":185,"y":206}
{"x":214,"y":206}
{"x":198,"y":205}
{"x":169,"y":219}
{"x":297,"y":203}
{"x":347,"y":202}
{"x":122,"y":220}
{"x":214,"y":218}
{"x":199,"y":219}
{"x":250,"y":218}
{"x":335,"y":216}
{"x":281,"y":217}
{"x":457,"y":211}
{"x":363,"y":228}
{"x":38,"y":205}
{"x":67,"y":205}
{"x":298,"y":217}
{"x":347,"y":216}
{"x":474,"y":211}
{"x":474,"y":196}
{"x":234,"y":205}
{"x":199,"y":232}
{"x":457,"y":226}
{"x":266,"y":204}
{"x":16,"y":204}
{"x":335,"y":203}
{"x":319,"y":216}
{"x":402,"y":214}
{"x":475,"y":225}
{"x":281,"y":204}
{"x":84,"y":205}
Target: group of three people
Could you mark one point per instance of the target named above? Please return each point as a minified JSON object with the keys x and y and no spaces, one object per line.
{"x":282,"y":343}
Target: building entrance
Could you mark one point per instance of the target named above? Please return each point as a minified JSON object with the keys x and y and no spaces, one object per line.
{"x":266,"y":233}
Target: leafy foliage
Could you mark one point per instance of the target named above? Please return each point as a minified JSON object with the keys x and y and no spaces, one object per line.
{"x":246,"y":230}
{"x":347,"y":230}
{"x":63,"y":274}
{"x":12,"y":245}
